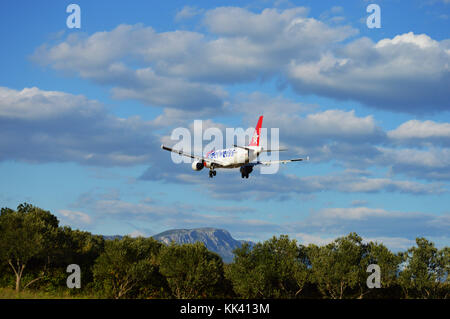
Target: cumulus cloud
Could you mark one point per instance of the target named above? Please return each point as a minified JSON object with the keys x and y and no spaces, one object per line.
{"x":34,"y":104}
{"x":432,"y":163}
{"x":100,"y":58}
{"x":320,"y":227}
{"x":393,"y":243}
{"x":415,"y":131}
{"x":137,"y":233}
{"x":76,"y":218}
{"x":374,"y":222}
{"x":187,"y":12}
{"x":160,"y":216}
{"x":305,"y":126}
{"x":236,"y":54}
{"x":409,"y":73}
{"x":280,"y":186}
{"x":47,"y":126}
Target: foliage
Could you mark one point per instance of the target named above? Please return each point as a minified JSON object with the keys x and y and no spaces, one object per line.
{"x":338,"y":268}
{"x":26,"y":236}
{"x":35,"y":252}
{"x":426,"y":269}
{"x":191,"y":270}
{"x":129,"y":268}
{"x":273,"y":269}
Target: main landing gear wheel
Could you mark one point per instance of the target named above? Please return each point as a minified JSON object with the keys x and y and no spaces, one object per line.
{"x":244,"y":175}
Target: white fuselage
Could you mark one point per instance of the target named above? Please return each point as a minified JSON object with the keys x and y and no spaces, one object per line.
{"x":233,"y":157}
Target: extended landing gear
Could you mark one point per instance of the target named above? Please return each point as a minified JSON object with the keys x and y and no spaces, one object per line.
{"x":212,"y":173}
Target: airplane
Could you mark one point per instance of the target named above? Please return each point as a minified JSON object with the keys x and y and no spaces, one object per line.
{"x":237,"y":157}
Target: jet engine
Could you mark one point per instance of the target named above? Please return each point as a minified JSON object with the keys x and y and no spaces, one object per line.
{"x":246,"y":170}
{"x":198,"y":165}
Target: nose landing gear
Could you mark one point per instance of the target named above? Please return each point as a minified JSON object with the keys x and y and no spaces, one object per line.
{"x":212,"y":173}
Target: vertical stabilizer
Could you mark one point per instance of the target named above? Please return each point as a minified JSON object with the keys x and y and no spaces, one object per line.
{"x":255,"y":139}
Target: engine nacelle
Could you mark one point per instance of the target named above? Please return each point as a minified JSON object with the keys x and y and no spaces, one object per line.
{"x":246,"y":169}
{"x":198,"y":165}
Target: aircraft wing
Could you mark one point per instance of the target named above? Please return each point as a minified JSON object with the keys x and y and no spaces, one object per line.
{"x":200,"y":158}
{"x":262,"y":150}
{"x":278,"y":150}
{"x":282,"y":161}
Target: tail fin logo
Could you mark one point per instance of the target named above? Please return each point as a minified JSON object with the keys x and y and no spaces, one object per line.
{"x":255,"y":138}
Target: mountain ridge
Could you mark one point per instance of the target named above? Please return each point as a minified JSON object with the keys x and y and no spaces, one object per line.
{"x":216,"y":240}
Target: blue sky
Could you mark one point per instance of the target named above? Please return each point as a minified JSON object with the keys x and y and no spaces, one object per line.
{"x":83,"y":112}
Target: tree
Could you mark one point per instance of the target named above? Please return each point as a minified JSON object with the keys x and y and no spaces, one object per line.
{"x":25,"y":235}
{"x":425,"y":270}
{"x":338,"y":267}
{"x":376,"y":253}
{"x":444,"y":256}
{"x":192,"y":271}
{"x":128,"y":267}
{"x":273,"y":269}
{"x":73,"y":247}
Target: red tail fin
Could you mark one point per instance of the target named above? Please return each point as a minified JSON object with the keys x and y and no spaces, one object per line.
{"x":255,"y":138}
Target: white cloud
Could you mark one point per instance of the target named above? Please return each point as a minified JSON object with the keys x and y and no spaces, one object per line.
{"x":136,"y":233}
{"x":393,"y":243}
{"x":75,"y":217}
{"x":316,"y":239}
{"x":280,"y":186}
{"x":431,"y":163}
{"x":303,"y":126}
{"x":35,"y":104}
{"x":409,"y":73}
{"x":239,"y":53}
{"x":421,"y":130}
{"x":421,"y":40}
{"x":353,"y":213}
{"x":372,"y":223}
{"x":187,"y":12}
{"x":46,"y":126}
{"x":236,"y":22}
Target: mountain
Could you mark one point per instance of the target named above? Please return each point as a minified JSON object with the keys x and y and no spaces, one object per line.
{"x":112,"y":237}
{"x":216,"y":240}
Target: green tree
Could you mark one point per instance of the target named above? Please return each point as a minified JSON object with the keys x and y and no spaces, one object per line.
{"x":444,"y":256}
{"x":273,"y":269}
{"x":129,"y":268}
{"x":376,"y":253}
{"x":192,"y":271}
{"x":26,"y":236}
{"x":73,"y":247}
{"x":425,"y":270}
{"x":338,"y":268}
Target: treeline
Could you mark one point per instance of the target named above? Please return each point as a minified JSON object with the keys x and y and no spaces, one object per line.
{"x":35,"y":252}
